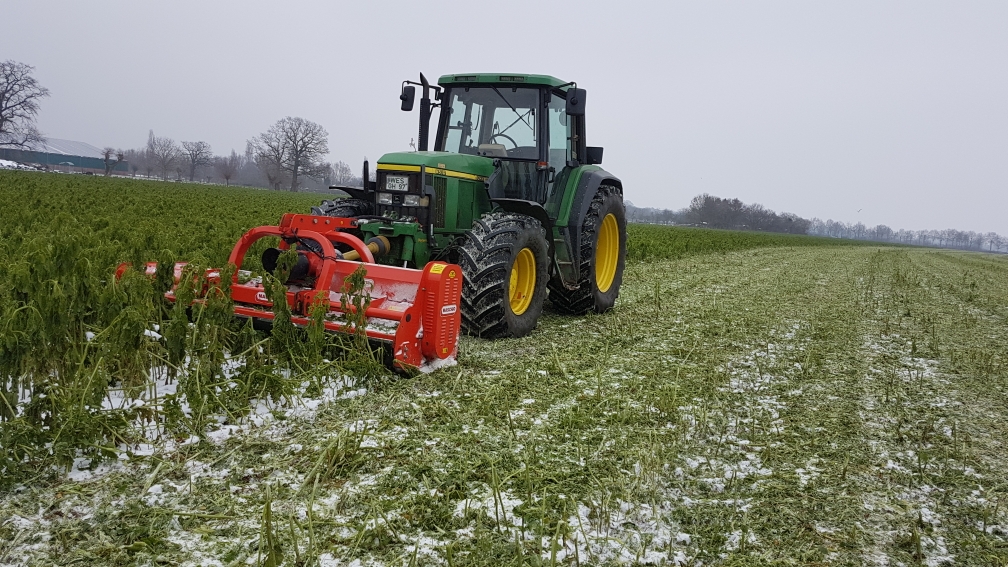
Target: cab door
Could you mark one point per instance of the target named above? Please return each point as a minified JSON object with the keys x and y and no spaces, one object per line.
{"x":558,"y":138}
{"x":516,"y":135}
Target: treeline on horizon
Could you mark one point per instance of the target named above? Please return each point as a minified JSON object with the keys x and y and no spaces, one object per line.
{"x":266,"y":162}
{"x":732,"y":214}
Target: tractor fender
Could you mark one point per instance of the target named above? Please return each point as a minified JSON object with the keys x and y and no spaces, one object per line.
{"x":531,"y":209}
{"x":587,"y":186}
{"x":355,"y":192}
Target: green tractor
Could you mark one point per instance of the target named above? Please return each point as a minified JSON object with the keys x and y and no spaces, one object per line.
{"x":511,"y":192}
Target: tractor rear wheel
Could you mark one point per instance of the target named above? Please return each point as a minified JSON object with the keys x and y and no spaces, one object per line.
{"x":505,"y":265}
{"x":603,"y":255}
{"x":346,"y":208}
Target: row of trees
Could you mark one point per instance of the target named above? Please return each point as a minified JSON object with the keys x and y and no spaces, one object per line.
{"x":714,"y":212}
{"x":948,"y":238}
{"x":289,"y":155}
{"x":650,"y":215}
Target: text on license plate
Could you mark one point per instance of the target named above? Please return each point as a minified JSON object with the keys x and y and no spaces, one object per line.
{"x":396,"y":183}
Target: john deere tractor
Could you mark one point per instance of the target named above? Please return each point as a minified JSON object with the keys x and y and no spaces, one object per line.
{"x":511,"y":192}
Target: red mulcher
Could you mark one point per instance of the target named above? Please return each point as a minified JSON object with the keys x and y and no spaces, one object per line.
{"x":415,"y":311}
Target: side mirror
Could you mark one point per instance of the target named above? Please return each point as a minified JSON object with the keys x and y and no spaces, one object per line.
{"x":575,"y":102}
{"x":593,"y":154}
{"x":407,"y":96}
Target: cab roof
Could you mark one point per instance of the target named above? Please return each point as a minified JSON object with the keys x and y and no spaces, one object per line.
{"x":498,"y":78}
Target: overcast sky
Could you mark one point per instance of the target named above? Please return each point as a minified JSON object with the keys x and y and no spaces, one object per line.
{"x":899,"y":109}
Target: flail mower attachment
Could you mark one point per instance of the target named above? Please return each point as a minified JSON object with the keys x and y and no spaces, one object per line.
{"x":416,"y":312}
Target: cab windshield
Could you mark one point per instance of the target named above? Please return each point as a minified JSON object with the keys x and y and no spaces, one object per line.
{"x":491,"y":121}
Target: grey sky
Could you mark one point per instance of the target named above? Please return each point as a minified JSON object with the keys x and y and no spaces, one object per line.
{"x":899,"y":109}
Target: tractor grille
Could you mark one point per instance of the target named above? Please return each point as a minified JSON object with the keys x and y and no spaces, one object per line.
{"x":440,"y":196}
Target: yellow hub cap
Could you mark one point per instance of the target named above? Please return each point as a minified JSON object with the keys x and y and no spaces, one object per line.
{"x":607,"y":253}
{"x":523,"y":280}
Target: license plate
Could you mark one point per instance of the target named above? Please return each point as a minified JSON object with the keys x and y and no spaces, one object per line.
{"x":396,"y":183}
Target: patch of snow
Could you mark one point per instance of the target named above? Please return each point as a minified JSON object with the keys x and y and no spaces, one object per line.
{"x":431,"y":365}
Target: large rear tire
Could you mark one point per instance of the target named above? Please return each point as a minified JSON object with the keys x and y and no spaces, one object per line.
{"x":603,"y":256}
{"x":505,"y":265}
{"x":346,"y":208}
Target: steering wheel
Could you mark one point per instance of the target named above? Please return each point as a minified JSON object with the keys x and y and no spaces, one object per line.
{"x":505,"y":136}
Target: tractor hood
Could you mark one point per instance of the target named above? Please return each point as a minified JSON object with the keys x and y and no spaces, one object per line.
{"x":442,"y":163}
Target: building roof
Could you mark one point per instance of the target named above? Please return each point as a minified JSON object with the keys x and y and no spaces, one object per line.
{"x":67,"y":147}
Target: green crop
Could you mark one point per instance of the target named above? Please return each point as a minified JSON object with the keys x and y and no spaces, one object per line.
{"x":751,"y":400}
{"x":69,"y":332}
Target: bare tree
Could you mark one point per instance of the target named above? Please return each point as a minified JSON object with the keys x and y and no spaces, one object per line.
{"x":295,"y":146}
{"x":140,"y":160}
{"x":342,"y":175}
{"x":107,"y":154}
{"x":992,"y":240}
{"x":324,"y":174}
{"x":198,"y":154}
{"x":134,"y":159}
{"x":149,"y":164}
{"x":271,"y":169}
{"x":228,"y":166}
{"x":19,"y":105}
{"x":164,"y":152}
{"x":269,"y":158}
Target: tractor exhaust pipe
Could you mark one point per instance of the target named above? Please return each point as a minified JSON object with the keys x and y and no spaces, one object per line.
{"x":425,"y":114}
{"x":426,"y":106}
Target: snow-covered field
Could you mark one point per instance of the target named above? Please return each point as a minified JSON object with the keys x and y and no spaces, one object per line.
{"x":809,"y":406}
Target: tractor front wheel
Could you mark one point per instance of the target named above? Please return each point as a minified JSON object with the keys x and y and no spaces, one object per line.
{"x":603,"y":255}
{"x":505,"y":265}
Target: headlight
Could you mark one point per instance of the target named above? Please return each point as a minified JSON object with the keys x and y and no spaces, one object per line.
{"x":384,"y":198}
{"x":411,"y":200}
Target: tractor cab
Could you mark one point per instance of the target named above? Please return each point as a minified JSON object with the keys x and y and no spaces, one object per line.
{"x":530,"y":126}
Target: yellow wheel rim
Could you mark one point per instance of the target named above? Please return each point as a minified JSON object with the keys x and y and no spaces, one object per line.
{"x":607,"y":253}
{"x":523,"y":280}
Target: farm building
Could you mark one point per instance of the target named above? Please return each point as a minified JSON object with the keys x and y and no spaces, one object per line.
{"x":64,"y":155}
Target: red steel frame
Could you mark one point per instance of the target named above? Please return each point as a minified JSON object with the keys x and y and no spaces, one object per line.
{"x":423,"y":303}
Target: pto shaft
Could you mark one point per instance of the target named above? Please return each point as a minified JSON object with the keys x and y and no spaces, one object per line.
{"x":378,"y":245}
